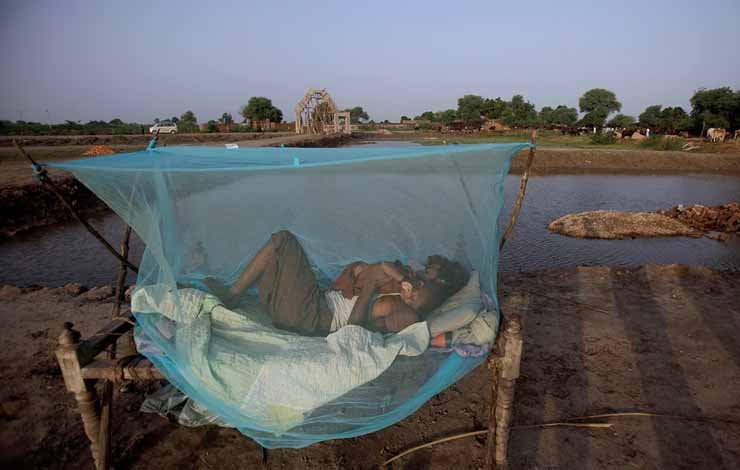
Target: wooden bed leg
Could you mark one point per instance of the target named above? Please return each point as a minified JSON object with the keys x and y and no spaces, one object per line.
{"x":510,"y":362}
{"x":494,"y":366}
{"x":84,"y":391}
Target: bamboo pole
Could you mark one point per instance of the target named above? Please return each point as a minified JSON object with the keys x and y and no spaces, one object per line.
{"x":106,"y":400}
{"x":522,"y":191}
{"x":44,"y":178}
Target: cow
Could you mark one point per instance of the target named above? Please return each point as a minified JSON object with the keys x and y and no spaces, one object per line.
{"x":716,"y":134}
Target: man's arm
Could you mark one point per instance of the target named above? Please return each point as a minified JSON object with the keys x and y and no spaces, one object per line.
{"x":391,"y":314}
{"x":361,"y":309}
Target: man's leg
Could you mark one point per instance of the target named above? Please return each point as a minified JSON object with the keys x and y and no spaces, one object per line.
{"x":247,"y":278}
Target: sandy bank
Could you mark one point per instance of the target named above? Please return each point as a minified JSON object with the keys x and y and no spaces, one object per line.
{"x":619,"y":225}
{"x":656,"y":338}
{"x":597,"y":161}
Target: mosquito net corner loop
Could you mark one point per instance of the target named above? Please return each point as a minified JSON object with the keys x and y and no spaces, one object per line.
{"x":205,"y":212}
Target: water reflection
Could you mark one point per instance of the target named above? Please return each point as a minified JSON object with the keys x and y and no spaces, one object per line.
{"x":53,"y":256}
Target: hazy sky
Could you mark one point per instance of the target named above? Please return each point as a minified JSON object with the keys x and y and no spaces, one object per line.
{"x":140,"y":60}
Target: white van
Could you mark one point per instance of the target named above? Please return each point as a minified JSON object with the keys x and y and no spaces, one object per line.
{"x":163,"y":128}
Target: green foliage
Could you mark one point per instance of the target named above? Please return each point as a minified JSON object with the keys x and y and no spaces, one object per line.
{"x":675,"y":119}
{"x":425,"y":116}
{"x":668,"y":119}
{"x":494,"y":109}
{"x":658,"y":142}
{"x":520,"y":113}
{"x":606,"y":138}
{"x":622,"y":121}
{"x":710,"y":120}
{"x":446,"y":117}
{"x":651,"y":116}
{"x":189,"y":117}
{"x":212,"y":126}
{"x":560,"y":116}
{"x":598,"y":104}
{"x":227,"y":119}
{"x":469,"y":109}
{"x":187,"y":123}
{"x":115,"y":126}
{"x":260,"y":108}
{"x":405,"y":118}
{"x":595,"y":118}
{"x":424,"y":126}
{"x":599,"y":99}
{"x":357,"y":115}
{"x":718,"y":106}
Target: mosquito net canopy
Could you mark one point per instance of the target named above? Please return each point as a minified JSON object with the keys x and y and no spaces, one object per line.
{"x":205,"y":212}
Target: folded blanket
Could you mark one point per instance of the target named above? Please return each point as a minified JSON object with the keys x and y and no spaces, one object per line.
{"x":272,"y":376}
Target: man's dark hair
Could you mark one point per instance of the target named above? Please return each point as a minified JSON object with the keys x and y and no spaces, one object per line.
{"x":450,"y":274}
{"x":451,"y":277}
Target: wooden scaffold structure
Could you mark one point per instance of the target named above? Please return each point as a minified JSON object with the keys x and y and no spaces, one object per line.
{"x":316,"y":113}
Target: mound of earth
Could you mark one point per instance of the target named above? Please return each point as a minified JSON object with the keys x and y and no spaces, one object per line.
{"x":724,"y":218}
{"x":100,"y":150}
{"x":618,"y":225}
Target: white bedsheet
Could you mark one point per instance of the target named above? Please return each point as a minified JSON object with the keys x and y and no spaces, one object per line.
{"x":274,"y":377}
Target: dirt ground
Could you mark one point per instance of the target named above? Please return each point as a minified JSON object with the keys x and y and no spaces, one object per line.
{"x":663,"y":339}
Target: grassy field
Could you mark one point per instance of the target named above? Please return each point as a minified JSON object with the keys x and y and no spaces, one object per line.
{"x":557,"y":140}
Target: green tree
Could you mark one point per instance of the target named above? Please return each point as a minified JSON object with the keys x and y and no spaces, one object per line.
{"x":675,"y":119}
{"x":520,"y":113}
{"x":447,"y":116}
{"x":156,"y":120}
{"x":116,"y":122}
{"x":212,"y":126}
{"x":621,"y":121}
{"x":227,"y":120}
{"x":405,"y":118}
{"x":651,"y":117}
{"x":594,"y":118}
{"x":598,"y":104}
{"x":718,"y":106}
{"x":259,"y":108}
{"x":565,"y":116}
{"x":494,"y":109}
{"x":425,"y":116}
{"x":357,"y":114}
{"x":469,"y":110}
{"x":187,"y":122}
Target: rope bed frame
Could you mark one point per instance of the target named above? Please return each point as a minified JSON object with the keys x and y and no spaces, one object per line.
{"x":83,"y":369}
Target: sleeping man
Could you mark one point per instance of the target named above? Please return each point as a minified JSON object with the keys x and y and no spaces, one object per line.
{"x":383,"y":297}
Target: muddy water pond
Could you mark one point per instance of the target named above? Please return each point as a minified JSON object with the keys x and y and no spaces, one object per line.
{"x":53,"y":256}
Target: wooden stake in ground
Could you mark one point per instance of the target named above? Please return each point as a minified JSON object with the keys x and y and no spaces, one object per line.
{"x":106,"y":399}
{"x":504,"y":362}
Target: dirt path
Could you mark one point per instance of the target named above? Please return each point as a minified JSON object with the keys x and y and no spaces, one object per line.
{"x":659,"y":338}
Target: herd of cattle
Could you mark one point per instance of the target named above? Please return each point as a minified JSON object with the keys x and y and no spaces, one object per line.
{"x":714,"y":134}
{"x":718,"y":134}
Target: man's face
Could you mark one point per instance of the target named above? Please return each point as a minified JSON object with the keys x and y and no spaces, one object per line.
{"x":429,"y":273}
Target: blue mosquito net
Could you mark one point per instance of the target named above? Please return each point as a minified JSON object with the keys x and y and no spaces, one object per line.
{"x":206,"y":211}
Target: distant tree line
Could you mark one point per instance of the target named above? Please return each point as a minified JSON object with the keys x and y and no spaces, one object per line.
{"x":719,"y":107}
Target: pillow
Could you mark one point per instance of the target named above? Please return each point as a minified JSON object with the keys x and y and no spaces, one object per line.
{"x":479,"y":332}
{"x":459,"y":310}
